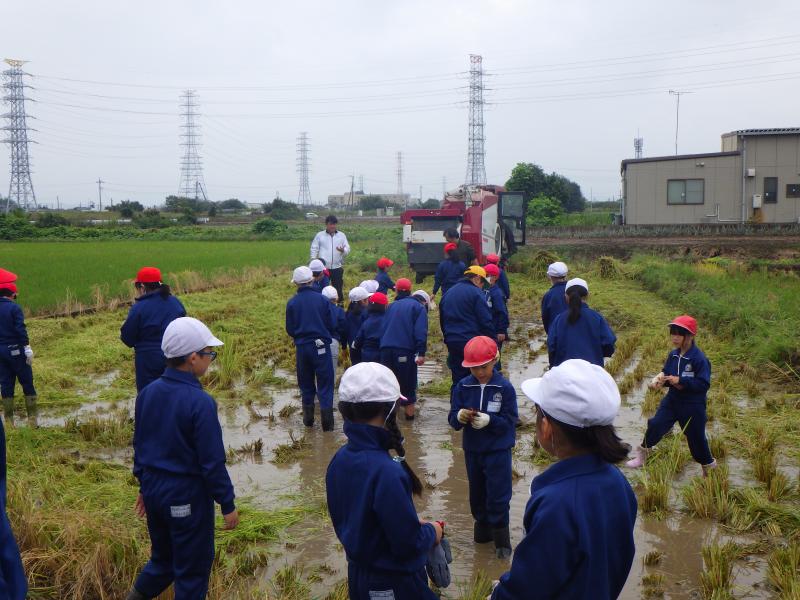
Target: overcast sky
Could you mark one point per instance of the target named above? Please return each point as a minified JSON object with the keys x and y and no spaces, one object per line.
{"x":569,"y":84}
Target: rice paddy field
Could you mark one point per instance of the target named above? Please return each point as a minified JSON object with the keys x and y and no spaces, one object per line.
{"x":733,"y":535}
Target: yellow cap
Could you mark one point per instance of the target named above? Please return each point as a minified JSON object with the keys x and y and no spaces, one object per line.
{"x":476,"y":270}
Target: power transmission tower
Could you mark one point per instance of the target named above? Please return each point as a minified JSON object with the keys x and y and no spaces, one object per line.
{"x":476,"y":171}
{"x":638,"y":146}
{"x":304,"y":194}
{"x":400,"y":178}
{"x":100,"y":183}
{"x":192,"y":184}
{"x":20,"y":187}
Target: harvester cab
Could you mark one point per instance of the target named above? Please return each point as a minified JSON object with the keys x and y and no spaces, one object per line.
{"x":486,"y":216}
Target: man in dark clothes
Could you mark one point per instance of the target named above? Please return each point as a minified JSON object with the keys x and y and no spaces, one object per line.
{"x":464,"y":250}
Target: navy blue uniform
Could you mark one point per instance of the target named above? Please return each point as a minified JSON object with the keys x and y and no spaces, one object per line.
{"x":578,"y":542}
{"x":448,"y":273}
{"x":589,"y":338}
{"x":554,"y":302}
{"x":463,"y":314}
{"x":143,"y":330}
{"x":369,"y":500}
{"x":500,"y":322}
{"x":686,"y":406}
{"x":309,"y":322}
{"x":339,"y":321}
{"x":355,"y":316}
{"x":502,"y":282}
{"x":368,"y":338}
{"x":487,"y":451}
{"x":405,"y":336}
{"x":13,"y":339}
{"x":179,"y":460}
{"x":13,"y":584}
{"x":385,"y":282}
{"x":318,"y":284}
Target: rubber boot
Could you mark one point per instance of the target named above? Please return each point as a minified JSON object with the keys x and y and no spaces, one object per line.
{"x":33,"y":412}
{"x":709,"y":467}
{"x":135,"y":594}
{"x":502,"y":542}
{"x":326,"y":415}
{"x":410,"y":411}
{"x":481,"y":532}
{"x":308,"y":415}
{"x":641,"y":457}
{"x":8,"y":410}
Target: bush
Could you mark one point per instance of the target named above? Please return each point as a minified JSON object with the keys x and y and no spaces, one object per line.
{"x":269,"y":227}
{"x":15,"y":226}
{"x":48,"y":219}
{"x":543,"y":211}
{"x":282,"y":210}
{"x":151,"y":219}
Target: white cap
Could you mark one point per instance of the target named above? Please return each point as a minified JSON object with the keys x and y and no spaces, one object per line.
{"x":577,"y":393}
{"x":316,"y":265}
{"x":577,"y":281}
{"x":369,"y":382}
{"x":302,"y":275}
{"x":186,"y":335}
{"x":330,"y":292}
{"x":424,"y":295}
{"x":370,"y":285}
{"x":357,"y":294}
{"x":557,"y":269}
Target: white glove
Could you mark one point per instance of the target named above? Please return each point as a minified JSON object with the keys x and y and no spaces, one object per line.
{"x":480,"y":420}
{"x":431,"y":305}
{"x":657,"y":381}
{"x":464,"y":416}
{"x":28,"y":355}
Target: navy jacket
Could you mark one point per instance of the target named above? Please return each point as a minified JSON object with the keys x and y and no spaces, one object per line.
{"x":448,"y":273}
{"x":497,"y":304}
{"x":369,"y":500}
{"x":554,"y":302}
{"x":320,"y":283}
{"x":694,"y":371}
{"x":355,"y":318}
{"x":405,"y":326}
{"x":498,"y":399}
{"x":339,"y":322}
{"x":463,"y":313}
{"x":12,"y":323}
{"x":589,"y":338}
{"x":578,"y":542}
{"x":502,"y":282}
{"x":148,"y":319}
{"x":308,"y":317}
{"x":176,"y":431}
{"x":385,"y":282}
{"x":369,"y":336}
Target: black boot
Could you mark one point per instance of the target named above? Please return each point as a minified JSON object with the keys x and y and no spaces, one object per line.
{"x":481,"y":532}
{"x":135,"y":594}
{"x":502,"y":542}
{"x":327,"y":419}
{"x":8,"y":411}
{"x":308,"y":415}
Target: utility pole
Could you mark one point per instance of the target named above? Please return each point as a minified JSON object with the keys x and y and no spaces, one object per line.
{"x":677,"y":95}
{"x":352,"y":186}
{"x":100,"y":193}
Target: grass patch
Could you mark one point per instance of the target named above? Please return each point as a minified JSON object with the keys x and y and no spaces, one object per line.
{"x":295,"y":449}
{"x":478,"y":588}
{"x":715,"y":580}
{"x":783,"y":568}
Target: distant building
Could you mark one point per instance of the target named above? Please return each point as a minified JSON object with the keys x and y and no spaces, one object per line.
{"x":756,"y":176}
{"x":344,"y":200}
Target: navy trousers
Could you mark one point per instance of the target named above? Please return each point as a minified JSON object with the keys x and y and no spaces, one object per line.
{"x":404,"y":366}
{"x":370,"y":584}
{"x":150,"y":365}
{"x":489,"y":475}
{"x":692,"y":419}
{"x":180,"y":520}
{"x":315,"y":376}
{"x":370,"y":355}
{"x":355,"y":356}
{"x":455,"y":356}
{"x":13,"y":368}
{"x":13,"y":583}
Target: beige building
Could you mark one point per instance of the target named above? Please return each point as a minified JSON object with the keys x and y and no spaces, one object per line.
{"x":755,"y":177}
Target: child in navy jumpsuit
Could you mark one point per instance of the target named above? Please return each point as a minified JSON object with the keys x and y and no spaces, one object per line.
{"x":449,"y":271}
{"x":179,"y":460}
{"x":687,"y":376}
{"x":309,"y":322}
{"x":580,"y":332}
{"x":16,"y":355}
{"x":355,"y":316}
{"x":554,"y":301}
{"x":385,"y":282}
{"x":368,"y":338}
{"x":502,"y":279}
{"x":339,"y":337}
{"x":153,"y":310}
{"x":405,"y":341}
{"x":484,"y":405}
{"x":13,"y":584}
{"x":369,"y":494}
{"x":497,"y":304}
{"x":321,"y":277}
{"x":579,"y":519}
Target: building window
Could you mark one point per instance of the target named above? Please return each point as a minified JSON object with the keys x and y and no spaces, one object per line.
{"x":686,"y":191}
{"x":793,"y":190}
{"x":771,"y":189}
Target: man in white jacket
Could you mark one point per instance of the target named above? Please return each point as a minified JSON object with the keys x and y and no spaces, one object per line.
{"x":331,"y":246}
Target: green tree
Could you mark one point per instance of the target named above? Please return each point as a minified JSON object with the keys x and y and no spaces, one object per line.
{"x":231,"y":204}
{"x":48,"y":219}
{"x":372,"y":202}
{"x":282,"y":210}
{"x":543,"y":210}
{"x":533,"y":181}
{"x":431,"y":203}
{"x":132,"y":206}
{"x":212,"y":210}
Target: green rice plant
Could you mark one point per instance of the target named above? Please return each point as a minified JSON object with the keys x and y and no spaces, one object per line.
{"x":609,"y":268}
{"x":624,"y":350}
{"x":652,"y":398}
{"x":653,"y":585}
{"x":478,"y":588}
{"x":719,"y":449}
{"x":756,"y":511}
{"x":288,"y":410}
{"x":783,"y":569}
{"x":709,"y":496}
{"x":288,"y":584}
{"x":292,"y":451}
{"x":115,"y":431}
{"x":339,"y":591}
{"x":655,"y":481}
{"x":715,"y":580}
{"x":652,"y":558}
{"x":228,"y":366}
{"x":765,"y":465}
{"x":779,"y":487}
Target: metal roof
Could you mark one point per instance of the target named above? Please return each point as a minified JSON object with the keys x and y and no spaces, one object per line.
{"x":629,"y":161}
{"x":768,"y":131}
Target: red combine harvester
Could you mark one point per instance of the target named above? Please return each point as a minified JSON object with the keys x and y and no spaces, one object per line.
{"x":487,"y":216}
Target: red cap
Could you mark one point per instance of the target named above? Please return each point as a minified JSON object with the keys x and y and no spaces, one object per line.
{"x":450,"y":246}
{"x":479,"y":351}
{"x":379,"y":298}
{"x":492,"y":258}
{"x":148,"y":275}
{"x":686,"y":322}
{"x":384,"y":262}
{"x":492,"y":270}
{"x":8,"y":286}
{"x":403,"y":285}
{"x":7,"y":276}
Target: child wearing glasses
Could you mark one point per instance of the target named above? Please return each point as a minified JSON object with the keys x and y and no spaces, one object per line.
{"x":179,"y":460}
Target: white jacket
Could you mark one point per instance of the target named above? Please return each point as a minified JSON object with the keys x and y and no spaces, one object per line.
{"x":325,"y":246}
